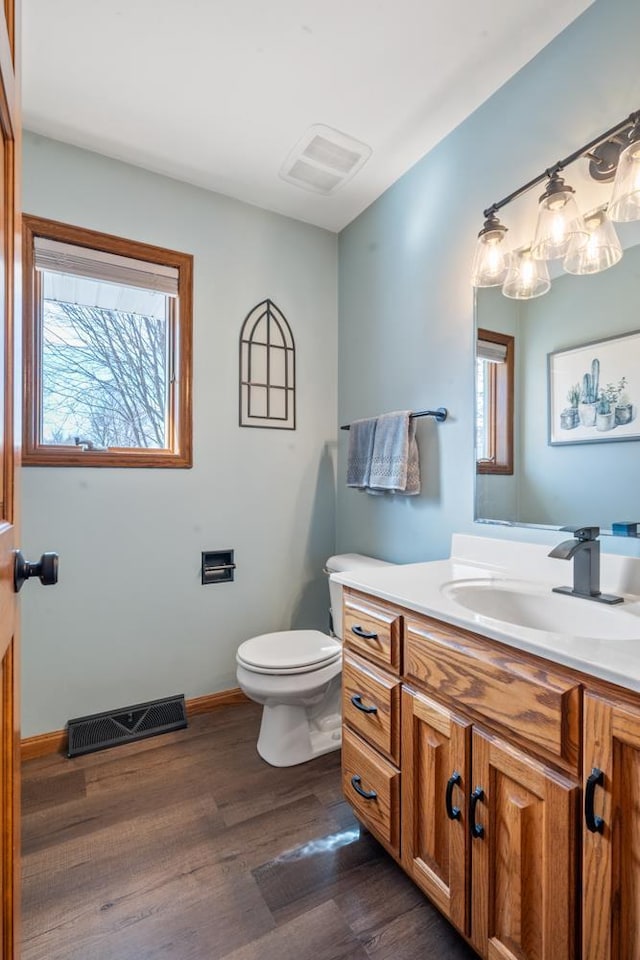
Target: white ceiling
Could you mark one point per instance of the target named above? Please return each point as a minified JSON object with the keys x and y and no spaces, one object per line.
{"x":217,"y":92}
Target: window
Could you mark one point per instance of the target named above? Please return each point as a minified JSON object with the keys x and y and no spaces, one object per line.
{"x":107,"y":350}
{"x":494,"y":402}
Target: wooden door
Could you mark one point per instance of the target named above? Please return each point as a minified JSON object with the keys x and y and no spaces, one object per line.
{"x":611,"y":838}
{"x":523,"y":856}
{"x":9,"y":434}
{"x":435,"y":771}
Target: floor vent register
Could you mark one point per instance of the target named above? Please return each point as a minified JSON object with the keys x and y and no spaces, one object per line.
{"x":102,"y":730}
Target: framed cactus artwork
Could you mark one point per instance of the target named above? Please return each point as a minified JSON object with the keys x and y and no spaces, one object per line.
{"x":594,"y":391}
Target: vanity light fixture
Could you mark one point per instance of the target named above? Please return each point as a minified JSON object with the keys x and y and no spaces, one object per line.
{"x":527,"y":277}
{"x":491,"y":258}
{"x":625,"y":200}
{"x":559,"y":221}
{"x":601,"y":251}
{"x":561,"y":232}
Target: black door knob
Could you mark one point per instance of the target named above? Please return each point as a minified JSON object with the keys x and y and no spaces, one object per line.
{"x":46,"y":569}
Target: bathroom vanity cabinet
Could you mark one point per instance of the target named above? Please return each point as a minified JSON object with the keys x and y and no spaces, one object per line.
{"x":506,"y":786}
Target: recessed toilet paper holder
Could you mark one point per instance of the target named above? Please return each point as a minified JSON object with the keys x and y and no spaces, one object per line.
{"x":217,"y":566}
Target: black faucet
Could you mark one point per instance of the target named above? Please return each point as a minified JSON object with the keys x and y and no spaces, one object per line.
{"x":584,"y":550}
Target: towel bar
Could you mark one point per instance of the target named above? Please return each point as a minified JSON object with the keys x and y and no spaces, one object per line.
{"x":440,"y":415}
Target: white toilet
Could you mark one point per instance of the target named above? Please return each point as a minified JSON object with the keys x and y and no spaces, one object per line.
{"x":295,"y":674}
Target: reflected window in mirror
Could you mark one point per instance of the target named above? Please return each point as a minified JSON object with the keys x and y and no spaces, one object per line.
{"x":494,"y":402}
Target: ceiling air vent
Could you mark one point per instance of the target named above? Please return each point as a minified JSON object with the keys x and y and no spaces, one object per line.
{"x":324,"y":159}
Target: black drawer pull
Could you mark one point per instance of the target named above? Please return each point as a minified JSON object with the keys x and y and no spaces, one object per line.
{"x":365,"y":634}
{"x":595,"y":779}
{"x":356,"y":700}
{"x":477,"y":830}
{"x":452,"y":812}
{"x":367,"y":794}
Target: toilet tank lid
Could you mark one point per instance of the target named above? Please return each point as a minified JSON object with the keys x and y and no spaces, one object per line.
{"x":353,"y":561}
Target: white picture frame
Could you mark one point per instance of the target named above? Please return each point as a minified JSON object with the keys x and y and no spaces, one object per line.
{"x":594,"y":391}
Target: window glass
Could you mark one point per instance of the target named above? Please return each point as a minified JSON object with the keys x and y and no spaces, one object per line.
{"x":105,"y":363}
{"x":483,"y":411}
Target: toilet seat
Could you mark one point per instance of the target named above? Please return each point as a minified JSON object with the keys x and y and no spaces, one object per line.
{"x":251,"y":668}
{"x":288,"y":652}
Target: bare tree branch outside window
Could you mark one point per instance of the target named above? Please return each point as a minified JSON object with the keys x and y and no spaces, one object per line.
{"x":104,"y":376}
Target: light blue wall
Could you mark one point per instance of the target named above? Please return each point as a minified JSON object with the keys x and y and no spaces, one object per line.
{"x":405,"y":301}
{"x":129,"y":620}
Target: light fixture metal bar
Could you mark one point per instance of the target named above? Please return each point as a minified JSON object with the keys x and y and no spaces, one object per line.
{"x":629,"y":121}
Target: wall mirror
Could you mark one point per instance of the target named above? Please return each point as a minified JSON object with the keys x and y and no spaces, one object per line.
{"x":576,"y":400}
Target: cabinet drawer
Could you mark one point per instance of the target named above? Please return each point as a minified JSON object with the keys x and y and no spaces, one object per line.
{"x":371,"y":705}
{"x":540,"y":706}
{"x":365,"y":770}
{"x":373,"y":629}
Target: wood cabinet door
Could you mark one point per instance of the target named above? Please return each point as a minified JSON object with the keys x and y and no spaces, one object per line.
{"x":9,"y":443}
{"x":611,"y":838}
{"x":523,"y":855}
{"x":435,"y":771}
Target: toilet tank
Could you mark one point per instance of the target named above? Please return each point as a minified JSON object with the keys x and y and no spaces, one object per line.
{"x":340,"y":564}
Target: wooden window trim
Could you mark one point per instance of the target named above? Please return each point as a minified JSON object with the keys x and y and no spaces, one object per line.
{"x":36,"y":454}
{"x":501,"y":406}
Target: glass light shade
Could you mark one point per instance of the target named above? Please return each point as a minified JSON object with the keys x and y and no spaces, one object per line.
{"x":559,"y":222}
{"x":602,"y":249}
{"x":491,"y":258}
{"x":527,"y":277}
{"x":625,"y":199}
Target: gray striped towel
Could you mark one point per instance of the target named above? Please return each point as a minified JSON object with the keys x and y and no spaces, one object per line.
{"x":395,"y":463}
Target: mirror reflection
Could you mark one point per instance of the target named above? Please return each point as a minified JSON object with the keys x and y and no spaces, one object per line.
{"x":572,"y":400}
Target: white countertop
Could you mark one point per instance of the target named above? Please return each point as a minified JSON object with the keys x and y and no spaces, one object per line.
{"x":423,"y":587}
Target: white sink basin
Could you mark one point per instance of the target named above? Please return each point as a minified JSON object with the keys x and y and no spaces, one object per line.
{"x":533,"y":605}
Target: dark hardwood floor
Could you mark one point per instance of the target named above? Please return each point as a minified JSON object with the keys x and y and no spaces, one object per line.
{"x":188,"y":846}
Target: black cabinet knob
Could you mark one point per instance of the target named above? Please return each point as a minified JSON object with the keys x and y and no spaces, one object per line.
{"x":356,"y":700}
{"x":367,"y":794}
{"x":365,"y":634}
{"x":595,"y":779}
{"x":452,"y":812}
{"x":477,"y":830}
{"x":46,"y":569}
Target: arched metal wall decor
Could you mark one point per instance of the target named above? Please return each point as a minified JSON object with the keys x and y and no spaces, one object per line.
{"x":267,"y":369}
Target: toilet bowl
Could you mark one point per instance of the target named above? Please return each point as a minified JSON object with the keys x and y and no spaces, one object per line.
{"x":296,"y":676}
